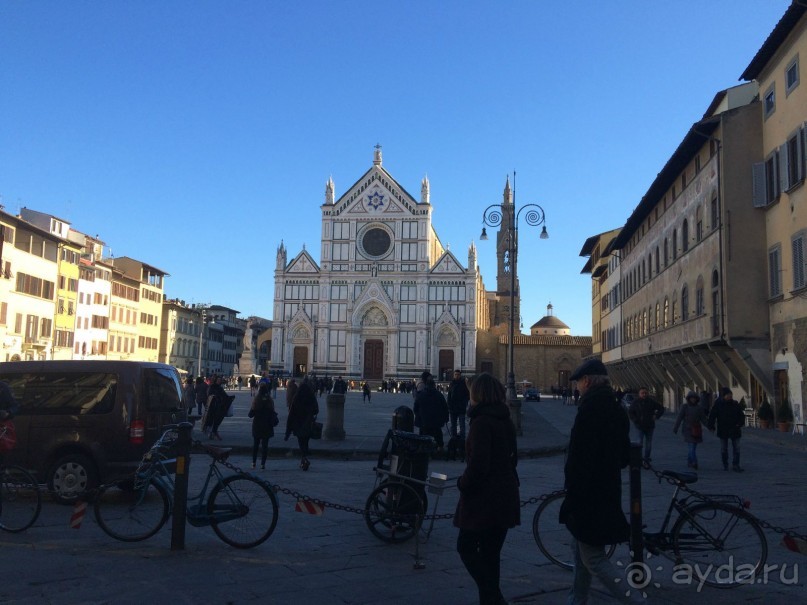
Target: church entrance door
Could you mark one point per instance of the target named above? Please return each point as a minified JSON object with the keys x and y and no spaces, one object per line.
{"x":373,"y":359}
{"x":446,"y":364}
{"x":300,"y":366}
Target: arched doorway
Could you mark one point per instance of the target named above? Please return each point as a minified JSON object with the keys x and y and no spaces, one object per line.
{"x":373,"y":359}
{"x":563,"y":378}
{"x":300,"y":366}
{"x":445,"y":364}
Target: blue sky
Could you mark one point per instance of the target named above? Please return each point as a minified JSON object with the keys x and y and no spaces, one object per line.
{"x":196,"y":135}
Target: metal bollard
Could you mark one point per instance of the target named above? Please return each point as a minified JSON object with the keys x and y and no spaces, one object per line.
{"x":636,"y":536}
{"x":183,"y":447}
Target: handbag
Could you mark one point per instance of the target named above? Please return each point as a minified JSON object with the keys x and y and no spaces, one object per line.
{"x":8,"y":436}
{"x":316,"y":430}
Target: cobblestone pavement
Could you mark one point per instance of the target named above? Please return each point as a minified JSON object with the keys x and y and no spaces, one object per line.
{"x":334,"y":559}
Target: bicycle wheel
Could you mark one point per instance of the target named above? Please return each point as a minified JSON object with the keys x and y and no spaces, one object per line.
{"x":394,"y":512}
{"x":243,"y":511}
{"x":723,"y":544}
{"x":552,"y":536}
{"x":131,"y":515}
{"x":20,"y":499}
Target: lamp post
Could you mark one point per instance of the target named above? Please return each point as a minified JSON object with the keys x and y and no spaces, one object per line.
{"x":493,"y":217}
{"x":201,"y":333}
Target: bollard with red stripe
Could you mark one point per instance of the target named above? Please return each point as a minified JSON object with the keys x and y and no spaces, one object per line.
{"x":795,"y":544}
{"x":77,"y":517}
{"x":310,"y":507}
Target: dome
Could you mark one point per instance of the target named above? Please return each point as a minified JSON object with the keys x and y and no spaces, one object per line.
{"x":550,"y":325}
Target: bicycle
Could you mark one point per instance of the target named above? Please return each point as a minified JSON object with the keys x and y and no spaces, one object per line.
{"x":20,"y":498}
{"x":395,"y":509}
{"x":551,"y":536}
{"x":713,"y":535}
{"x":240,"y":508}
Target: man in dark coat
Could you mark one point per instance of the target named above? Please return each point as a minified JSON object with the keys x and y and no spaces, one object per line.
{"x":599,"y":448}
{"x":644,"y":411}
{"x":431,"y":410}
{"x":729,"y":418}
{"x":458,"y":397}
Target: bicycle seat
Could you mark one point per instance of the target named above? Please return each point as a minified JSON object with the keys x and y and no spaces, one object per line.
{"x":219,"y":454}
{"x":681,"y":477}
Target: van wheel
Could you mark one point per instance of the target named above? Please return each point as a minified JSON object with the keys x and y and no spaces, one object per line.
{"x":70,"y":477}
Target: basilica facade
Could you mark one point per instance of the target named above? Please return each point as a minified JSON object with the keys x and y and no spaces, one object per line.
{"x":386,"y":299}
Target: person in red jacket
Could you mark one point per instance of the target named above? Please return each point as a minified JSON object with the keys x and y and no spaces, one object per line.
{"x":489,"y":497}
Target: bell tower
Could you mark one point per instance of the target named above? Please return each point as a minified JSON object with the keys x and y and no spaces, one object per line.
{"x":505,"y":264}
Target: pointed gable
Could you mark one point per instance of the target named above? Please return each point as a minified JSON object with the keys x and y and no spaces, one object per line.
{"x":376,"y":193}
{"x":448,"y":263}
{"x":303,"y":263}
{"x":373,"y":295}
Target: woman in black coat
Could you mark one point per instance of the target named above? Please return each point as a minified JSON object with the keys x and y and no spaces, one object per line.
{"x":302,"y":414}
{"x":489,"y":498}
{"x":263,"y":417}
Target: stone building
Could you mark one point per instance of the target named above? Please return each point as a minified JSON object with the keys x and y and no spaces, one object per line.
{"x":385,"y":299}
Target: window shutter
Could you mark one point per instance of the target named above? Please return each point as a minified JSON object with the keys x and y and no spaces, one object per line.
{"x":798,"y":262}
{"x":782,"y":169}
{"x":802,"y":152}
{"x":773,"y":268}
{"x":758,"y":190}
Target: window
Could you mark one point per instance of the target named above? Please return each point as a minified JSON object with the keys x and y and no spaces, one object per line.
{"x":338,"y":291}
{"x":674,"y":310}
{"x":769,"y":100}
{"x":337,"y":346}
{"x":666,"y":252}
{"x":715,"y":213}
{"x":658,"y":261}
{"x":798,"y":261}
{"x":657,"y":324}
{"x":409,"y":251}
{"x":3,"y":313}
{"x":675,"y":244}
{"x":666,"y":312}
{"x":699,"y":224}
{"x":408,"y":313}
{"x":685,"y":236}
{"x":406,"y":348}
{"x":409,"y":230}
{"x":338,"y":312}
{"x":794,"y":150}
{"x":715,"y":304}
{"x":775,"y":271}
{"x":700,"y":303}
{"x":340,"y":252}
{"x":792,"y":75}
{"x":341,"y":230}
{"x":408,"y":292}
{"x":684,"y":303}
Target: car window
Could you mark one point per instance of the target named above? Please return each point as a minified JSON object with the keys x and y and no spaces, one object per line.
{"x":64,"y":393}
{"x":163,"y":390}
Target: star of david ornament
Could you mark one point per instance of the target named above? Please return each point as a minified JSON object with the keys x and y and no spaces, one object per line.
{"x":375,"y":200}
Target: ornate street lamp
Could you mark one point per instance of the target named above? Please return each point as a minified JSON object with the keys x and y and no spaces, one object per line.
{"x":493,"y":217}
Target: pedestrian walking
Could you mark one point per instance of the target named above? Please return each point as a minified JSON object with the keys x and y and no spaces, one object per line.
{"x":643,"y":412}
{"x":291,"y":392}
{"x":727,"y":418}
{"x":240,"y":382}
{"x":599,"y":447}
{"x":365,"y":392}
{"x":302,"y":414}
{"x":189,"y":395}
{"x":431,"y":410}
{"x":200,"y":389}
{"x":489,"y":502}
{"x":253,"y":384}
{"x":458,"y":397}
{"x":264,"y":419}
{"x":218,"y":402}
{"x":691,"y":419}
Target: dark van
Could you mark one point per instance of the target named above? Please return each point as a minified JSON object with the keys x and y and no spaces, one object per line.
{"x":84,"y":422}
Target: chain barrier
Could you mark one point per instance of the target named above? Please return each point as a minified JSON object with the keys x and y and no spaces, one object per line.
{"x":706,"y":498}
